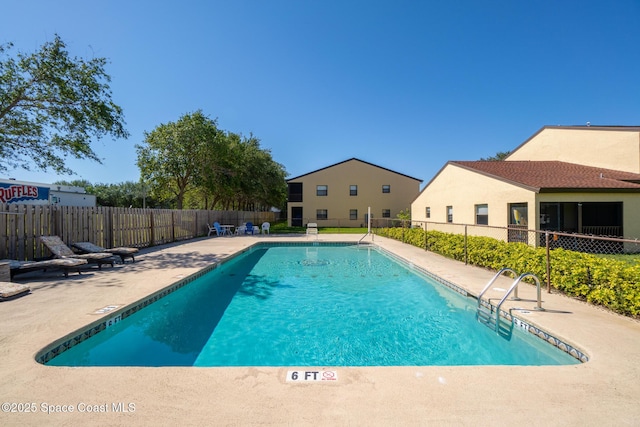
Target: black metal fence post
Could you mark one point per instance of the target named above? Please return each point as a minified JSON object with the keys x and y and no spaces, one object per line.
{"x":466,"y":249}
{"x":546,"y":238}
{"x":426,"y":244}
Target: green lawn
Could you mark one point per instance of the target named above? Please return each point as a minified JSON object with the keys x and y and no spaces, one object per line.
{"x":343,"y":230}
{"x":283,"y":228}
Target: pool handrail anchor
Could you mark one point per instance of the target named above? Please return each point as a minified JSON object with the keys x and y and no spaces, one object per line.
{"x":485,"y":314}
{"x":538,"y":306}
{"x":514,"y":285}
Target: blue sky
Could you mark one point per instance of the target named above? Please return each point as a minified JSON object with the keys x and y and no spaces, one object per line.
{"x":407,"y":85}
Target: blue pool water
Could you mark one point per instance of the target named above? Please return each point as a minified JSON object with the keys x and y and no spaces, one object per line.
{"x":309,"y":306}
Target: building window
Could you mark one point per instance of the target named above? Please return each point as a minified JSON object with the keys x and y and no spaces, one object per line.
{"x":295,"y":191}
{"x":322,"y":190}
{"x":353,"y":213}
{"x":482,"y":214}
{"x":427,"y":212}
{"x":518,"y":214}
{"x":353,"y":190}
{"x":386,"y":189}
{"x":386,"y":213}
{"x":449,"y":213}
{"x":322,"y":214}
{"x":518,"y":223}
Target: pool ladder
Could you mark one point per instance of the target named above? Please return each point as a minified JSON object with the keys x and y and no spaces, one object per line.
{"x":485,"y":313}
{"x":362,"y":238}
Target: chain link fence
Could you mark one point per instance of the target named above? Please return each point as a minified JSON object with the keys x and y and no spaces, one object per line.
{"x":587,"y":243}
{"x":602,"y":270}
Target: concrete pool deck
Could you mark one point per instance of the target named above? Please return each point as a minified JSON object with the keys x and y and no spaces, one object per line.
{"x":603,"y":391}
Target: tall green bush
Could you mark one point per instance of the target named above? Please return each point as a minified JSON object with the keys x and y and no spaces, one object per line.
{"x":607,"y":282}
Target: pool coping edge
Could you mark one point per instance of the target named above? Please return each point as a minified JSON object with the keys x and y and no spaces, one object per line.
{"x":52,"y":350}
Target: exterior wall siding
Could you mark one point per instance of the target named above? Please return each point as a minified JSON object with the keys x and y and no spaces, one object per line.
{"x":463,"y":190}
{"x":610,"y":149}
{"x":338,"y":202}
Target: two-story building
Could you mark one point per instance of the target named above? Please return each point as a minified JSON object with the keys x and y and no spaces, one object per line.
{"x":340,"y":195}
{"x":582,"y":179}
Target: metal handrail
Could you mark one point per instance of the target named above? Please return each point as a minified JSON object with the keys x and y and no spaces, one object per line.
{"x":513,"y":286}
{"x":362,"y":238}
{"x":498,"y":274}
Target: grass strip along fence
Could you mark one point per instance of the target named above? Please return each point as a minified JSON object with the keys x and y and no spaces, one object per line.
{"x":608,"y":282}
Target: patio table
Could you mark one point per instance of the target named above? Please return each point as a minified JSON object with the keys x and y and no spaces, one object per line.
{"x":227,"y":229}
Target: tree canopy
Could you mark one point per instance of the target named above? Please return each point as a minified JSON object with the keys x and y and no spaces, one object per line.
{"x":192,"y":163}
{"x":500,"y":155}
{"x":124,"y":194}
{"x":51,"y":106}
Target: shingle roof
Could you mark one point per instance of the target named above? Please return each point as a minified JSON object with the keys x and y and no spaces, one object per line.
{"x":541,"y":176}
{"x":350,"y":160}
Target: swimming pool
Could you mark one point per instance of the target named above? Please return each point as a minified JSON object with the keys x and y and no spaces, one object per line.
{"x":308,"y":305}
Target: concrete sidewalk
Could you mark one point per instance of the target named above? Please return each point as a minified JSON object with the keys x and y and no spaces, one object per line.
{"x":603,"y":391}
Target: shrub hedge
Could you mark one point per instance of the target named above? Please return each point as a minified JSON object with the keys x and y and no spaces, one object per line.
{"x":611,"y":283}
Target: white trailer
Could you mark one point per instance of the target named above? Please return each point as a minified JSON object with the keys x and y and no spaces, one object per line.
{"x":34,"y":193}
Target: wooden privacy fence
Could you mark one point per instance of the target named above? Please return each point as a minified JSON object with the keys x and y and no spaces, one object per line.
{"x":21,"y":225}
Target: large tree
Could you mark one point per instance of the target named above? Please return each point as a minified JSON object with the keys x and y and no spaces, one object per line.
{"x":218,"y":175}
{"x":51,"y":106}
{"x":262,"y":180}
{"x":191,"y":163}
{"x":172,"y":156}
{"x":244,"y":176}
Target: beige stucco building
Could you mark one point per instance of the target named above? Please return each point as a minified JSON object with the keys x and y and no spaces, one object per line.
{"x":341,"y":194}
{"x":609,"y":147}
{"x":568,"y":179}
